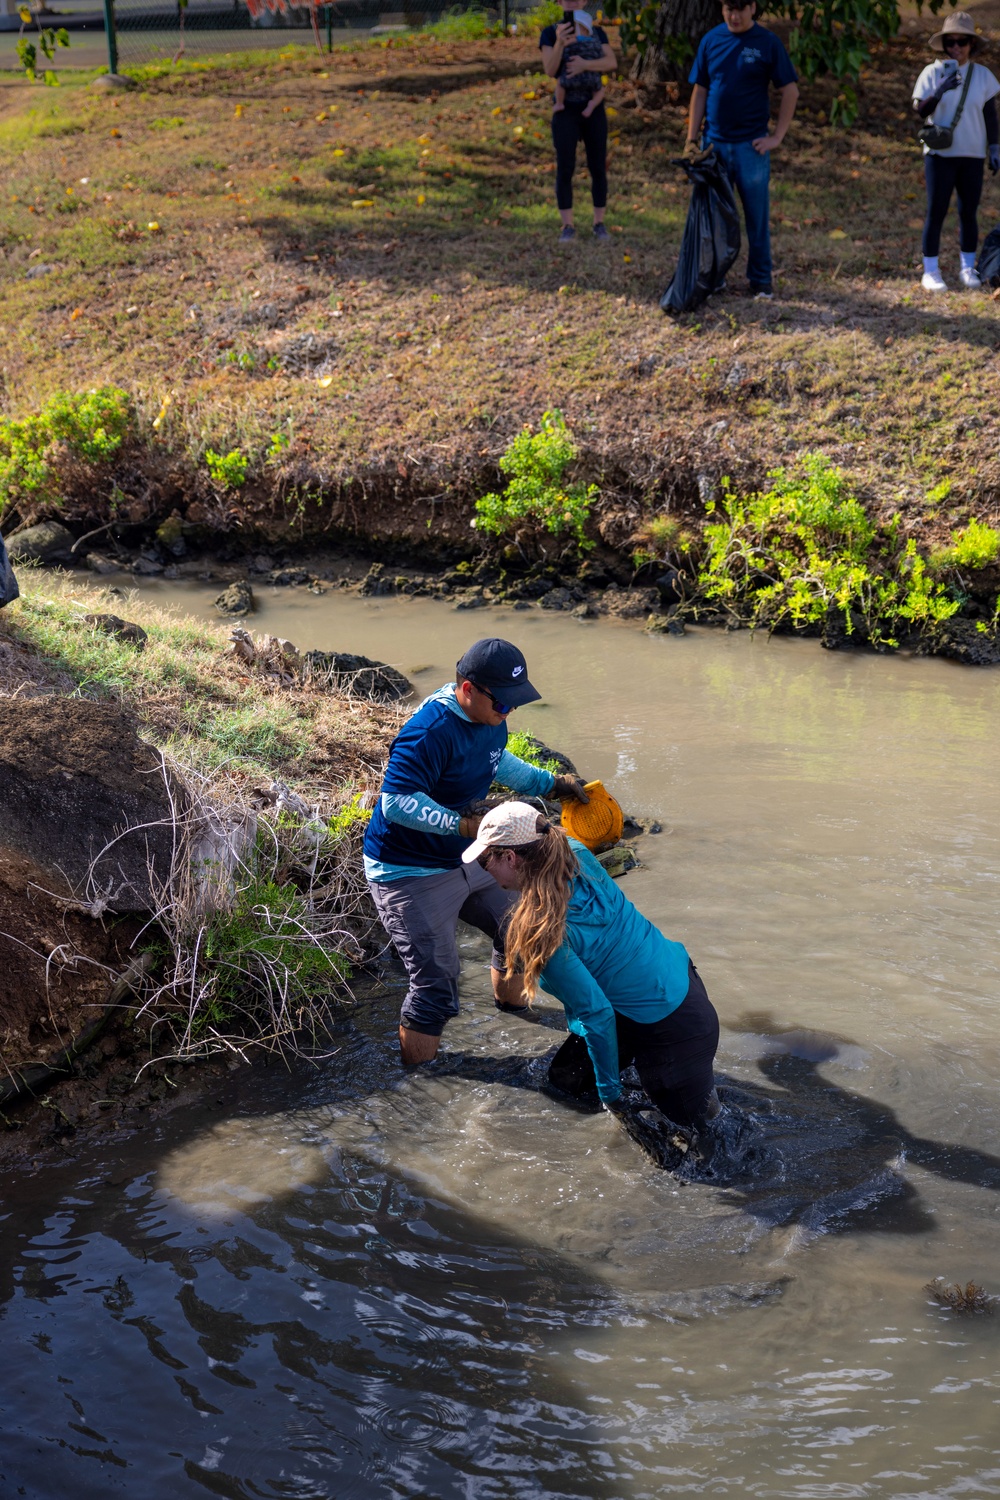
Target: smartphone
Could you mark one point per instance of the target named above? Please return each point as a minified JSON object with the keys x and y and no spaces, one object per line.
{"x":569,"y":19}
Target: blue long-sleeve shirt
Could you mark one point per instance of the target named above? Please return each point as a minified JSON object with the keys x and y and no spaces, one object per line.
{"x":438,"y":763}
{"x":612,"y":959}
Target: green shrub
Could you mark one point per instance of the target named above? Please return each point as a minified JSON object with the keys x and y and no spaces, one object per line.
{"x":91,"y":427}
{"x":227,"y":469}
{"x":461,"y":26}
{"x":548,"y":13}
{"x":266,"y":945}
{"x":977,"y":546}
{"x":535,"y":463}
{"x":791,"y":553}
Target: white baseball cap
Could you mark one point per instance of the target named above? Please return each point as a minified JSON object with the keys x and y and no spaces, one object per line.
{"x":505,"y":827}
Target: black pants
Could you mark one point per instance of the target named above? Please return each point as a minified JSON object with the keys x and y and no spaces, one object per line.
{"x":568,"y":127}
{"x":946,"y":175}
{"x":673,"y":1057}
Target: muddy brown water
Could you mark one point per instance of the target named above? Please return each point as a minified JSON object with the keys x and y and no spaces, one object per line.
{"x":344,"y":1282}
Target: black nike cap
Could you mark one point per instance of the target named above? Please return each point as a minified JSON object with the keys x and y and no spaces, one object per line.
{"x":501,"y":669}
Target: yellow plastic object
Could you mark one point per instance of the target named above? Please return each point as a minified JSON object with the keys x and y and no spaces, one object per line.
{"x":599,"y":823}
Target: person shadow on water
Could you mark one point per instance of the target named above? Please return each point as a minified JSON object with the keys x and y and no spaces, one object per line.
{"x":793,"y":1147}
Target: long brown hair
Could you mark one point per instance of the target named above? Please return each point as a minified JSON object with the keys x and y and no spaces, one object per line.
{"x":537,"y":925}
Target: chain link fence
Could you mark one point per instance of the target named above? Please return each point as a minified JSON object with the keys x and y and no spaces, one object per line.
{"x":147,"y":32}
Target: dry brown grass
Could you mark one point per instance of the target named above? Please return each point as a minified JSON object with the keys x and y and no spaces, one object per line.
{"x":439,"y":327}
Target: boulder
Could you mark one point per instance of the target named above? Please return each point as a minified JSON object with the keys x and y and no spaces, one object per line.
{"x":375,"y":585}
{"x":358,"y":676}
{"x":237,"y":599}
{"x":964,"y":640}
{"x":125,"y":631}
{"x":84,"y":810}
{"x":100,"y":563}
{"x":630,"y":604}
{"x":45,"y":542}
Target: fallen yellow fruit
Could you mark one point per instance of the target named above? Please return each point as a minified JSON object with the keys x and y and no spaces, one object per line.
{"x":153,"y":227}
{"x":838,"y":234}
{"x":421,"y":197}
{"x":339,"y":152}
{"x":610,"y":111}
{"x":324,"y":380}
{"x":238,"y":112}
{"x":422,"y":140}
{"x":321,"y":117}
{"x":518,"y":129}
{"x":363,"y":203}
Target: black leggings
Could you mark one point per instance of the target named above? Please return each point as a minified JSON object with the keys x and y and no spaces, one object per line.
{"x":568,"y":127}
{"x":673,"y":1057}
{"x":946,"y":175}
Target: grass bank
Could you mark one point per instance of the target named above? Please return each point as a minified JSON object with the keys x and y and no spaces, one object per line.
{"x":333,"y":295}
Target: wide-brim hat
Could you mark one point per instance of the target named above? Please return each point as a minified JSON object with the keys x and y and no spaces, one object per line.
{"x":958,"y":24}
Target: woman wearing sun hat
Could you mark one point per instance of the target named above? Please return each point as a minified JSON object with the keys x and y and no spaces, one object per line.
{"x":630,"y":994}
{"x":957,"y":99}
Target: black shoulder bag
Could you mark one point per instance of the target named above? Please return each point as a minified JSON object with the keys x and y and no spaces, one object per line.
{"x":941,"y":137}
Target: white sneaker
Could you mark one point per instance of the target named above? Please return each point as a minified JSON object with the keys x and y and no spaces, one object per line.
{"x":969,"y":278}
{"x":933,"y":281}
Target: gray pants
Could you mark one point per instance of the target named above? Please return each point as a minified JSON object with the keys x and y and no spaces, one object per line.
{"x":421,"y":916}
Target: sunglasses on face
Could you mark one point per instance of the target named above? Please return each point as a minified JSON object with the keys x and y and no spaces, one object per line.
{"x":957,"y":41}
{"x":498,"y":707}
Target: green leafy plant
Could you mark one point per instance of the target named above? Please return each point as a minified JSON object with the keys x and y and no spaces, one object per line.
{"x":229,"y":470}
{"x":977,"y":546}
{"x":279,"y":442}
{"x":536,"y":493}
{"x":806,"y":546}
{"x":33,"y":449}
{"x":48,"y":40}
{"x":353,"y":814}
{"x":459,"y":25}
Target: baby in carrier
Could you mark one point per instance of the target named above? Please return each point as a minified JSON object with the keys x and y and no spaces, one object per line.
{"x":581,"y":86}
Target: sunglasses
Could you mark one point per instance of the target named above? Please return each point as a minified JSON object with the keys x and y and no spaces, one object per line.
{"x":957,"y":41}
{"x":498,"y":707}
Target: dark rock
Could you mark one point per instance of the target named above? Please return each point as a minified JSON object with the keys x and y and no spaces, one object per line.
{"x":583,"y":612}
{"x":530,"y":588}
{"x":671,"y":587}
{"x":629,"y":604}
{"x":564,"y":766}
{"x":42,"y":543}
{"x":557,"y":598}
{"x":619,"y":860}
{"x":474,"y":600}
{"x":963,"y":640}
{"x":664,"y":625}
{"x":261,"y":563}
{"x":374,"y":585}
{"x":358,"y":676}
{"x":99,"y":562}
{"x":286,"y":578}
{"x":404,"y":585}
{"x":655,"y":828}
{"x":237,"y":599}
{"x":170,"y":536}
{"x":84,"y":809}
{"x":122,"y":630}
{"x":147,"y":566}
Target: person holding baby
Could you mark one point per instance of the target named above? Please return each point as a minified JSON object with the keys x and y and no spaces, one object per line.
{"x":576,"y":53}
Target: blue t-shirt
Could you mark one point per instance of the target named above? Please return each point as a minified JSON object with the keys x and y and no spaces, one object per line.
{"x":612,"y":959}
{"x":738,"y":70}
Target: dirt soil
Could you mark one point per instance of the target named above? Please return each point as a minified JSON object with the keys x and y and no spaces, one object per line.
{"x":347,"y":270}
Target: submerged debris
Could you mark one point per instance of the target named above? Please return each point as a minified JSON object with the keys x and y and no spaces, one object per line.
{"x":970,"y":1298}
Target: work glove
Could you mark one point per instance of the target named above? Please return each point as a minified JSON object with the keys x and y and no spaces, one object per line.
{"x":468,"y":826}
{"x":993,"y":156}
{"x":691,"y":150}
{"x":568,"y":789}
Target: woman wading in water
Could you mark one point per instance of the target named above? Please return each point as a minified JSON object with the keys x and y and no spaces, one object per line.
{"x":630,"y":994}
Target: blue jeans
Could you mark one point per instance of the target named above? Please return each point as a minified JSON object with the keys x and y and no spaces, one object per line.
{"x":750,"y":172}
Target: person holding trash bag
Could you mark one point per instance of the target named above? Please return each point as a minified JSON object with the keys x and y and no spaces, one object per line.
{"x":580,"y":53}
{"x":445,"y":757}
{"x":734,"y":67}
{"x":711,"y":239}
{"x":957,"y":100}
{"x":630,"y":994}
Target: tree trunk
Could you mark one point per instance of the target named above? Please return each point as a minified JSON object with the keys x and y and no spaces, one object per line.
{"x":680,"y":26}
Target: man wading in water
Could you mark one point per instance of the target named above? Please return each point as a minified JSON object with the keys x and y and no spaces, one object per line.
{"x":444,"y":758}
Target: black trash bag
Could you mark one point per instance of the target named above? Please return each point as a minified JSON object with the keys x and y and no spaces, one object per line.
{"x":9,"y":590}
{"x":988,"y":265}
{"x":711,"y":240}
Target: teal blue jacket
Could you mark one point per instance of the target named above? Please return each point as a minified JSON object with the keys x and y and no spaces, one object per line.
{"x":612,"y":959}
